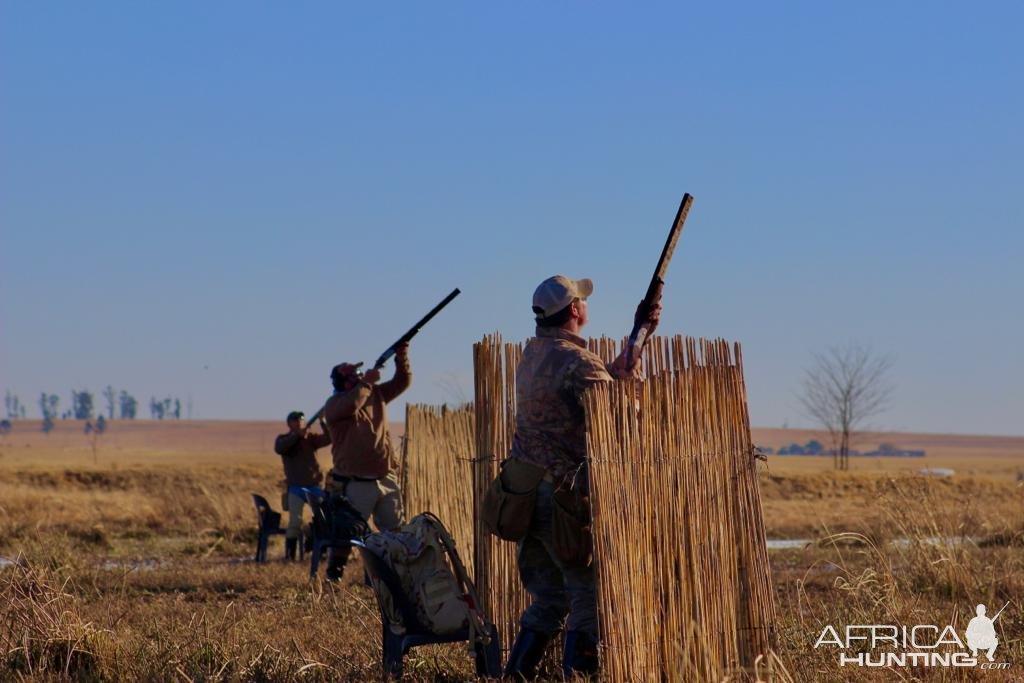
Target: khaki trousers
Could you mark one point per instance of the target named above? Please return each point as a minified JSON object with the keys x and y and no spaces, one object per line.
{"x":377,"y":498}
{"x":295,"y":504}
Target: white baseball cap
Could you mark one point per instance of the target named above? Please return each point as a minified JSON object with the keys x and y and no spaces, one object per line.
{"x":557,"y":292}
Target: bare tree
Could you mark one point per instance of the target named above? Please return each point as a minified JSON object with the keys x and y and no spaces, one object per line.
{"x":844,"y":387}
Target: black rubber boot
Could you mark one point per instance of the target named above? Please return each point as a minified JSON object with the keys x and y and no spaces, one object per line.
{"x":290,"y":546}
{"x":579,"y":655}
{"x":525,"y":655}
{"x":336,"y":560}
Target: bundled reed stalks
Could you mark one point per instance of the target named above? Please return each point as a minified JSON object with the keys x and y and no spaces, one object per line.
{"x":683,"y":576}
{"x":437,"y":471}
{"x":684,"y":584}
{"x":495,"y":571}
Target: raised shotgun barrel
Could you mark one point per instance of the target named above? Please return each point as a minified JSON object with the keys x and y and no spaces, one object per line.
{"x":641,"y":323}
{"x":390,"y":351}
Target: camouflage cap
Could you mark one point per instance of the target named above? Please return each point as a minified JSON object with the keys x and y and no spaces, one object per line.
{"x":557,"y":292}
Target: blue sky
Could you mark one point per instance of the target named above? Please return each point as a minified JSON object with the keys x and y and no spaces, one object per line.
{"x":223,"y":199}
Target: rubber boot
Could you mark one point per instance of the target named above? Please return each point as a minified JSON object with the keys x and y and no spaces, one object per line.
{"x":525,"y":655}
{"x":579,"y":655}
{"x":290,"y":546}
{"x":336,"y":560}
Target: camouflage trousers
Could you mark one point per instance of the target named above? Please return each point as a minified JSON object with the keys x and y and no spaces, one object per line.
{"x":555,"y":590}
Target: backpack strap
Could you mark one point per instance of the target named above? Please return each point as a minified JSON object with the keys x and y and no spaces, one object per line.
{"x":478,"y":631}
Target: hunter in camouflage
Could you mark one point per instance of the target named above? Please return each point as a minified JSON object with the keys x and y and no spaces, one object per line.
{"x":555,"y":369}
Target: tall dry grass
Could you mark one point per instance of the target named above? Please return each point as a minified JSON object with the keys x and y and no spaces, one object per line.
{"x":42,"y":631}
{"x":925,"y":570}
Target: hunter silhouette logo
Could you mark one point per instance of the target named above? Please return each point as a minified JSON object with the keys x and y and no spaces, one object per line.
{"x":981,"y":632}
{"x":888,"y":645}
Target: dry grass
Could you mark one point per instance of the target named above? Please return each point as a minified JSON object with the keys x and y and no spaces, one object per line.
{"x":138,"y":567}
{"x":178,"y":495}
{"x":935,"y":577}
{"x":806,"y":505}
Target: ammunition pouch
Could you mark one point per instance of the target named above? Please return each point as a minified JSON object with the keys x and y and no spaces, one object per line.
{"x":510,"y":500}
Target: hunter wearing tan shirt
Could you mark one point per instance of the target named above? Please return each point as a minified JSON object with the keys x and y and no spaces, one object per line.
{"x":357,"y":420}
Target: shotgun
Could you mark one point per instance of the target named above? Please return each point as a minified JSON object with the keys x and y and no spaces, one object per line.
{"x":390,"y":351}
{"x":642,"y":327}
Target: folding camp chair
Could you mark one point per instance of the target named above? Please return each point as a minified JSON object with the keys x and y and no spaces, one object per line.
{"x":269,"y":525}
{"x":396,"y":645}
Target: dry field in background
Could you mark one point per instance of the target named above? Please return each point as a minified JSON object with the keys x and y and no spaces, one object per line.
{"x":135,"y":565}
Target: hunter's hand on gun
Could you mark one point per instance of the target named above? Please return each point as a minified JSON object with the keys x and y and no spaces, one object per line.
{"x":618,"y":368}
{"x":650,"y":316}
{"x":402,"y":353}
{"x":371,"y":376}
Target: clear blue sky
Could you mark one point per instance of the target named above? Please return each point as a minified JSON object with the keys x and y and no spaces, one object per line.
{"x":223,"y":199}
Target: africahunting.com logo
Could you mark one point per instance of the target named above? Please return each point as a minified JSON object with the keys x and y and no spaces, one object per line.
{"x":886,"y":645}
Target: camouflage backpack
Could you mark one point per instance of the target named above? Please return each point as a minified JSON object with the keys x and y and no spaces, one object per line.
{"x":422,"y":556}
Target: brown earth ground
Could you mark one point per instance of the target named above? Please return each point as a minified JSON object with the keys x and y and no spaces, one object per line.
{"x":131,"y":557}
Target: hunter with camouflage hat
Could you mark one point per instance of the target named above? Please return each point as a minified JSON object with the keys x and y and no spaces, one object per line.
{"x":357,"y":421}
{"x":548,"y":457}
{"x":302,"y":474}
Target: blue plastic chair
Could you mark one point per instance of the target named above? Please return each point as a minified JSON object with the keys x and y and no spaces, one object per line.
{"x":396,"y":645}
{"x":269,"y":522}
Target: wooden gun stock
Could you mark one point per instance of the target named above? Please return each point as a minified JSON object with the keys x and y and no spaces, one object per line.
{"x":642,"y":326}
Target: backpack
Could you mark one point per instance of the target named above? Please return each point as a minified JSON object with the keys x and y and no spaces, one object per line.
{"x":422,"y":555}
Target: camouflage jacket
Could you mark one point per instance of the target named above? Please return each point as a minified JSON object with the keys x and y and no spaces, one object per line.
{"x":555,"y":369}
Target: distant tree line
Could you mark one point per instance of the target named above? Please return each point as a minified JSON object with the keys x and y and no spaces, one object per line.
{"x":815,"y":447}
{"x":168,"y":408}
{"x":13,"y":406}
{"x":83,"y":406}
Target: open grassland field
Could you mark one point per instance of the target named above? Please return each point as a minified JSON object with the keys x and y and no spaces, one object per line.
{"x":131,"y":561}
{"x":804,"y":497}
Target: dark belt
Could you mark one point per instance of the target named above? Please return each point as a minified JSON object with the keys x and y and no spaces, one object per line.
{"x":346,"y":479}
